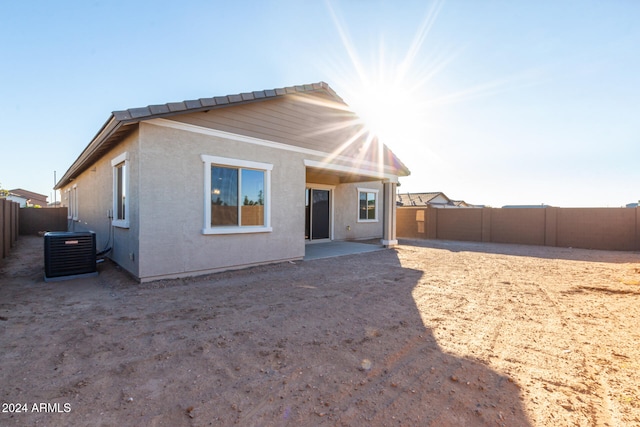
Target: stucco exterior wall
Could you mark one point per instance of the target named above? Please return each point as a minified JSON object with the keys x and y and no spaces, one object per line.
{"x":171,"y":201}
{"x":94,"y":189}
{"x":166,"y":205}
{"x":346,"y":225}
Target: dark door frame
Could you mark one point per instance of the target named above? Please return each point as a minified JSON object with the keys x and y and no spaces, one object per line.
{"x":309,"y":212}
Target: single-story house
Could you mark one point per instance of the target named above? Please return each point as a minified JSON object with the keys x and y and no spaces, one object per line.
{"x":433,"y":199}
{"x":199,"y":186}
{"x":27,"y":198}
{"x":422,"y":199}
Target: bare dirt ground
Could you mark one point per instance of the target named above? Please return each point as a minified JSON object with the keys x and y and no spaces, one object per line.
{"x":431,"y":334}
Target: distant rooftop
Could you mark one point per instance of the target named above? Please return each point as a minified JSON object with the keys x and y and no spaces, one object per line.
{"x":433,"y":198}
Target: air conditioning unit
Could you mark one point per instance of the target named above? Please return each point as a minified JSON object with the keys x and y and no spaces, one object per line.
{"x":68,"y":255}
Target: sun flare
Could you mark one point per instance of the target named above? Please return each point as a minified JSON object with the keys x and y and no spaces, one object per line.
{"x":388,"y":110}
{"x":388,"y":94}
{"x":397,"y":91}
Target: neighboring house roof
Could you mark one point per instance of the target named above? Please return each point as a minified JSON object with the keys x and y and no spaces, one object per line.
{"x":419,"y":199}
{"x":120,"y":123}
{"x":33,"y":198}
{"x":437,"y":198}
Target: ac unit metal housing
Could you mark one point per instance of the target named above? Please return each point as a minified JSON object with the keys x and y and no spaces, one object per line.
{"x":69,"y":255}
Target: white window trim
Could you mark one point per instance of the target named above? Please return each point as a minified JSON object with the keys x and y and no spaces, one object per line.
{"x":69,"y":209}
{"x":368,"y":190}
{"x":243,"y":164}
{"x":122,"y":158}
{"x":74,"y":202}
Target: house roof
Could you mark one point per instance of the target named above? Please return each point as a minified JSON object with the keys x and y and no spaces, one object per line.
{"x":418,"y":199}
{"x":426,"y":199}
{"x":26,"y":194}
{"x":120,"y":123}
{"x":172,"y":108}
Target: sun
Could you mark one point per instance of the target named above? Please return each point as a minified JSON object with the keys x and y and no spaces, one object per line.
{"x":388,"y":110}
{"x":388,"y":94}
{"x":405,"y":96}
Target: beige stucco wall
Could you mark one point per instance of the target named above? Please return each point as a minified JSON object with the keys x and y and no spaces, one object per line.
{"x":95,"y":198}
{"x":172,"y":206}
{"x":346,"y":199}
{"x":166,"y":205}
{"x":171,"y":203}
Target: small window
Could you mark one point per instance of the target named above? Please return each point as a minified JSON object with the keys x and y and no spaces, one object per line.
{"x":73,"y":203}
{"x":120,"y":190}
{"x":236,"y":196}
{"x":69,"y":203}
{"x":367,"y":205}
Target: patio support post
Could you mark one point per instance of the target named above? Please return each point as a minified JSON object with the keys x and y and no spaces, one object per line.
{"x":389,"y":216}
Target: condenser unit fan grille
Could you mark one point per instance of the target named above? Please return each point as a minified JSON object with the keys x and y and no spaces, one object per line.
{"x":69,"y":255}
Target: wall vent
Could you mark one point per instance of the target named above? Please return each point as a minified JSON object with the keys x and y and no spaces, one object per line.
{"x":68,"y":255}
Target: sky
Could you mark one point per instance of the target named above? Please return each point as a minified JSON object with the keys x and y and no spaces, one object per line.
{"x":495,"y":102}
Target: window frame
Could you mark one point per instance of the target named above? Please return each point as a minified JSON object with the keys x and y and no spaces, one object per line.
{"x":73,"y":203}
{"x":367,"y":191}
{"x":69,"y":198}
{"x":238,"y":164}
{"x":116,"y":163}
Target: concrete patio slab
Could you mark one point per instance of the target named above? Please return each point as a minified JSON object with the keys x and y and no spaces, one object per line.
{"x":334,"y":249}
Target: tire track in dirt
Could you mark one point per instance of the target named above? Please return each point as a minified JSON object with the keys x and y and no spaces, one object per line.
{"x":598,"y":386}
{"x":380,"y":377}
{"x":408,"y":376}
{"x":280,"y":345}
{"x":599,"y":312}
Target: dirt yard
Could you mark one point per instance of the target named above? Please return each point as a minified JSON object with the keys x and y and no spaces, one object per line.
{"x":431,"y":334}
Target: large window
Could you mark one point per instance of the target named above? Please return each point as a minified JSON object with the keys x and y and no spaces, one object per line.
{"x":367,"y":205}
{"x":236,"y":196}
{"x":121,"y":190}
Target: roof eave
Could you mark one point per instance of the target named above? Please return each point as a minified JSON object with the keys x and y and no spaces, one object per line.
{"x":108,"y":129}
{"x":205,"y":104}
{"x":131,"y":116}
{"x":136,"y":115}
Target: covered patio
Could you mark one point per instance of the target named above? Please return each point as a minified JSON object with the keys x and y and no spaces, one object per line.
{"x":334,"y":190}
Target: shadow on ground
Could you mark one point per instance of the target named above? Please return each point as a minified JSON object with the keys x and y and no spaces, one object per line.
{"x":328,"y":342}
